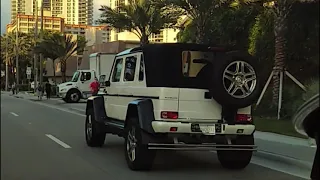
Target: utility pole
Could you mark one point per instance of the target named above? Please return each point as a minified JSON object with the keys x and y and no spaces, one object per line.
{"x":41,"y":55}
{"x":7,"y":65}
{"x":35,"y":60}
{"x":17,"y":57}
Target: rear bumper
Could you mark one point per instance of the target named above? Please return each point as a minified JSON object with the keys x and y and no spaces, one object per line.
{"x":182,"y":127}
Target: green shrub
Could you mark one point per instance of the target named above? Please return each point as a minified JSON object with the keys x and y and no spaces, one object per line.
{"x":312,"y":89}
{"x":293,"y":98}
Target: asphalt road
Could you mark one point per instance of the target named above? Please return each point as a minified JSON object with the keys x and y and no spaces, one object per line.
{"x":46,"y":142}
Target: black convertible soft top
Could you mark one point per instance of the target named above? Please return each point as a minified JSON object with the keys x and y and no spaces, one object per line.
{"x":163,"y":63}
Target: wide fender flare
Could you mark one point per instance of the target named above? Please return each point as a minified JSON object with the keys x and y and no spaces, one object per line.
{"x":96,"y":104}
{"x":142,"y":109}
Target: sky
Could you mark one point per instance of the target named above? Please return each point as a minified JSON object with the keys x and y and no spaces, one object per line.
{"x":6,"y":4}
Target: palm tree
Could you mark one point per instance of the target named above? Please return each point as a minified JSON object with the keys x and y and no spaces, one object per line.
{"x":141,"y":17}
{"x":280,"y":10}
{"x":199,"y":11}
{"x":59,"y":46}
{"x":25,"y":46}
{"x":49,"y":53}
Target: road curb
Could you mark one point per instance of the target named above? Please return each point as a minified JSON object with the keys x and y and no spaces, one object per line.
{"x":284,"y":159}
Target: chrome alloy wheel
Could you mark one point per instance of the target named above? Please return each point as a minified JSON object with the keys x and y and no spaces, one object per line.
{"x":239,"y":79}
{"x":131,"y":144}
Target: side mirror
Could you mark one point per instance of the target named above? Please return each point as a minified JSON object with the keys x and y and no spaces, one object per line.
{"x":107,"y":83}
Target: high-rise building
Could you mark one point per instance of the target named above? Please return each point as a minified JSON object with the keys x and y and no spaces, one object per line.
{"x":24,"y":7}
{"x":76,"y":11}
{"x":73,"y":11}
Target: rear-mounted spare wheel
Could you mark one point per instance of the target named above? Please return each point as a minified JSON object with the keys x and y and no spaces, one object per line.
{"x":236,"y":80}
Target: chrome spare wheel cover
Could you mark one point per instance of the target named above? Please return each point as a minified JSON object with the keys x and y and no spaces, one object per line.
{"x":239,"y":79}
{"x":89,"y":127}
{"x":131,"y":144}
{"x":74,"y":96}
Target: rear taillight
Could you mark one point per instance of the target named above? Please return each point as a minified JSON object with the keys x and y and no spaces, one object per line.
{"x":242,"y":118}
{"x":169,"y":115}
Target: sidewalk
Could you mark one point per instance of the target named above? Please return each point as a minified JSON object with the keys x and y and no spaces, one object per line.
{"x":271,"y":146}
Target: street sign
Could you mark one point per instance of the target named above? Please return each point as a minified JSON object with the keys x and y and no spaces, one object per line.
{"x":3,"y":73}
{"x":28,"y":76}
{"x":28,"y":71}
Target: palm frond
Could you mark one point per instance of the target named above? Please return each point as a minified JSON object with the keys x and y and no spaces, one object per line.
{"x":141,"y":17}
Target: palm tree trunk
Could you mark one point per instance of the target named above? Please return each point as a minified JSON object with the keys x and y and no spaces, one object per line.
{"x":199,"y":34}
{"x":63,"y":74}
{"x":63,"y":70}
{"x":54,"y":72}
{"x":144,"y":39}
{"x":280,"y":27}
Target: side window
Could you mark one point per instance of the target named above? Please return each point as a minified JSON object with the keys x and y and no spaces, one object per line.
{"x":130,"y":68}
{"x":141,"y":71}
{"x":191,"y":68}
{"x":88,"y":76}
{"x":117,"y":71}
{"x":85,"y":76}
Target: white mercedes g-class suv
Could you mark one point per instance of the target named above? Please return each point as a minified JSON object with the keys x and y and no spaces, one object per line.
{"x":177,"y":97}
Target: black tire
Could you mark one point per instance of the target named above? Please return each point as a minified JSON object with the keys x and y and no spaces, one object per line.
{"x":70,"y":96}
{"x":98,"y":135}
{"x":218,"y":83}
{"x":143,"y":156}
{"x":237,"y":159}
{"x":65,"y":100}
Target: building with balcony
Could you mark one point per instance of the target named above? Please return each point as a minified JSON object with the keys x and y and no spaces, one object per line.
{"x":74,"y":11}
{"x":26,"y":24}
{"x":94,"y":34}
{"x":97,"y":35}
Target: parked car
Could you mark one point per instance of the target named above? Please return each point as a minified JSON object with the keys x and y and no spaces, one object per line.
{"x":307,"y":122}
{"x":177,"y":97}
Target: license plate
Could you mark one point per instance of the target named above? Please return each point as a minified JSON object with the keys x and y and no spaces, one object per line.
{"x":208,"y":129}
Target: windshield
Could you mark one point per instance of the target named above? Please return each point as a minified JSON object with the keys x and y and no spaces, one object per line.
{"x":75,"y":76}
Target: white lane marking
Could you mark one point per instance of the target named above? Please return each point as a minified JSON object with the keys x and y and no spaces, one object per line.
{"x":54,"y":107}
{"x":14,"y":114}
{"x":77,"y":109}
{"x":61,"y":109}
{"x":58,"y":141}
